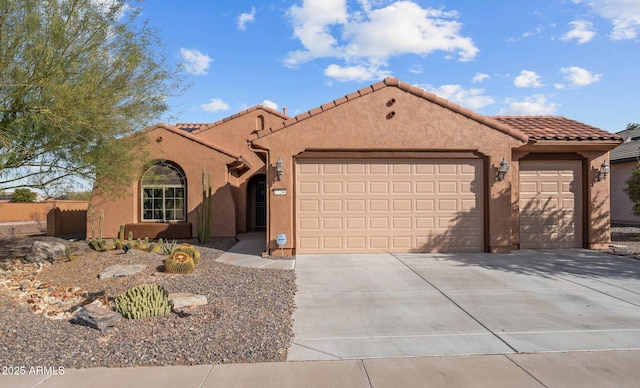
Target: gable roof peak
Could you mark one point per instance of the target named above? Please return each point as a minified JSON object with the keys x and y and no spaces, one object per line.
{"x":395,"y":82}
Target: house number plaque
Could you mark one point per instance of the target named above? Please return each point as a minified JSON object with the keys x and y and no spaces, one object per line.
{"x":279,"y":191}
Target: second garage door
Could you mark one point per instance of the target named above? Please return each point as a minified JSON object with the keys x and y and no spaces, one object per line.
{"x":389,"y":206}
{"x":550,"y":204}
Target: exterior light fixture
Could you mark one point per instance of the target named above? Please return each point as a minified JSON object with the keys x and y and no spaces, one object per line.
{"x":280,"y":169}
{"x":603,"y":172}
{"x":503,"y":169}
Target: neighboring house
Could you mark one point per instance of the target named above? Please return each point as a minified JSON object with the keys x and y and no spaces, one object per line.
{"x":624,"y":159}
{"x":388,"y":168}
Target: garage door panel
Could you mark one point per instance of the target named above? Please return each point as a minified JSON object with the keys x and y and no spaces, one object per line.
{"x":390,"y":205}
{"x":550,"y":204}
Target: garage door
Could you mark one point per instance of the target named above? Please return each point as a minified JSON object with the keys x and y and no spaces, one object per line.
{"x":389,"y":206}
{"x":550,"y":204}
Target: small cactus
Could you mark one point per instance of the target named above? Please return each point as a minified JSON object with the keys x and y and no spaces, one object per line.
{"x":68,"y":254}
{"x":146,"y":300}
{"x":179,"y":262}
{"x":189,"y":250}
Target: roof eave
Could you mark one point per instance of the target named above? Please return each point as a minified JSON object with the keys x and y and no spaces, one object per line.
{"x":569,"y":145}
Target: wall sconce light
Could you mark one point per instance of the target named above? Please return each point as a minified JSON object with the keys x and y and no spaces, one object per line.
{"x":603,"y":172}
{"x":280,"y":169}
{"x":503,"y":169}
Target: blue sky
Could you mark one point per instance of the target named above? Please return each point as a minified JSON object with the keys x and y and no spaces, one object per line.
{"x":574,"y":58}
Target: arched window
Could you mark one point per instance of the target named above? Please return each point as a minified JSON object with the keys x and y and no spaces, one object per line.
{"x":163,"y":194}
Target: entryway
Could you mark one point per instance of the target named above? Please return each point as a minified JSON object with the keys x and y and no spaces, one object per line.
{"x":257,"y":202}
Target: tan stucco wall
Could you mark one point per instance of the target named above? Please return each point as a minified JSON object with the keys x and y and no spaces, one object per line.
{"x":621,"y":206}
{"x":367,"y":123}
{"x":232,"y":134}
{"x":192,"y":158}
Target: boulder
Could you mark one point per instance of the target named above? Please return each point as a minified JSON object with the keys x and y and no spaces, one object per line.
{"x":97,"y":317}
{"x":184,"y":299}
{"x":45,"y":250}
{"x":117,"y":271}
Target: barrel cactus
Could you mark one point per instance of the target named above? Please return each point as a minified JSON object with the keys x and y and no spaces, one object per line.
{"x":179,"y":262}
{"x":146,"y":300}
{"x":189,"y":250}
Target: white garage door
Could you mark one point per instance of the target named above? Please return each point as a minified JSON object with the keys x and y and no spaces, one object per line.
{"x":550,"y":204}
{"x":389,"y":206}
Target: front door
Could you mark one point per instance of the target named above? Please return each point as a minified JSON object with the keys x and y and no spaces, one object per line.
{"x":260,"y":205}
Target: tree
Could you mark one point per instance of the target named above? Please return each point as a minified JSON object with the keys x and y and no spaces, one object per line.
{"x":77,"y":79}
{"x":23,"y":195}
{"x":632,"y":187}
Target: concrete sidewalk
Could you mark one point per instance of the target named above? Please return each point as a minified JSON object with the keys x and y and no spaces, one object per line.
{"x":575,"y":369}
{"x":248,"y":253}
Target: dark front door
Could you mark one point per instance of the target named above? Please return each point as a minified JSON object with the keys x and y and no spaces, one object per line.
{"x":260,"y":201}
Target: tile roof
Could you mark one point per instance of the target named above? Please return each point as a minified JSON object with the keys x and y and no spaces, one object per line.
{"x":629,"y":150}
{"x":394,"y":82}
{"x":204,"y":127}
{"x":555,"y":128}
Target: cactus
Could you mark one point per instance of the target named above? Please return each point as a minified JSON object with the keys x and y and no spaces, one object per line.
{"x":130,"y":238}
{"x":100,"y":224}
{"x":204,"y":211}
{"x":189,"y":250}
{"x":179,"y":262}
{"x":146,"y":300}
{"x":121,"y":234}
{"x":68,"y":254}
{"x":93,"y":228}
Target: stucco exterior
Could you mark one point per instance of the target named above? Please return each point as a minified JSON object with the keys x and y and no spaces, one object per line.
{"x":621,"y":205}
{"x":387,"y":121}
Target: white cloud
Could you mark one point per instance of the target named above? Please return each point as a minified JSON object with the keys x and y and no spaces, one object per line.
{"x":366,"y":37}
{"x":559,"y":86}
{"x":215,"y":105}
{"x":624,"y":14}
{"x":579,"y":76}
{"x":355,"y":73}
{"x":529,"y":106}
{"x":270,"y":104}
{"x":582,"y":31}
{"x":416,"y":69}
{"x":246,"y":18}
{"x":196,"y":62}
{"x":528,"y":79}
{"x":480,"y":77}
{"x":469,"y":98}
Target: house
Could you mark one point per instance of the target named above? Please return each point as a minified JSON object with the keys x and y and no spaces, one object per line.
{"x":624,"y":160}
{"x":388,"y":168}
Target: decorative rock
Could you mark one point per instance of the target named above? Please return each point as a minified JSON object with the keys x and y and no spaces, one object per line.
{"x":97,"y":317}
{"x":45,"y":250}
{"x":184,"y":299}
{"x":117,"y":271}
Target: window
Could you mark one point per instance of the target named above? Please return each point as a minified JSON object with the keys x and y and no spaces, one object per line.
{"x":163,"y":194}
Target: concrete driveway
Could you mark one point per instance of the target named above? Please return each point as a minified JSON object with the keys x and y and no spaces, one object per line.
{"x":411,"y":305}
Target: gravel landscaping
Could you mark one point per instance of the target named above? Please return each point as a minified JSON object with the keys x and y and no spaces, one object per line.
{"x":247,"y":318}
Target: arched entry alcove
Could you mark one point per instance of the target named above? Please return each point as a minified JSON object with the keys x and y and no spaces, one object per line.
{"x":257,"y":202}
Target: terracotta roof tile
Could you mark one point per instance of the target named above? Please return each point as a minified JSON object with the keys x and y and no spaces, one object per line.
{"x":555,"y":128}
{"x":204,"y":127}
